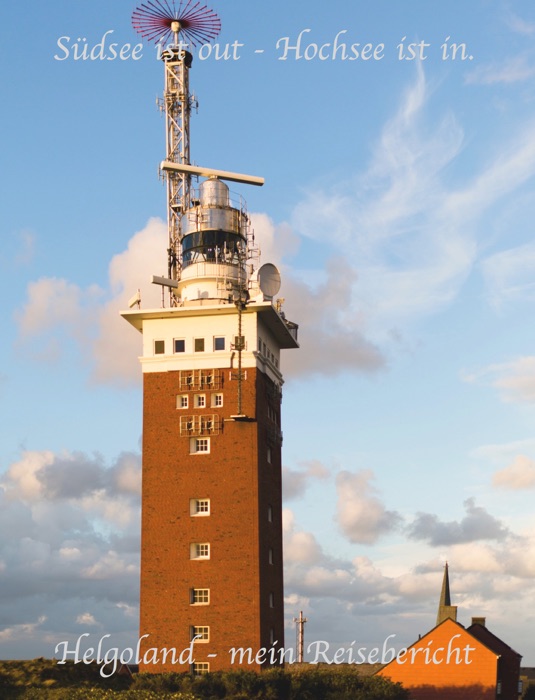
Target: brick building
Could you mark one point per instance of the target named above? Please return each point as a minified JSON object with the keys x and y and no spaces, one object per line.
{"x":454,"y":663}
{"x":211,"y":541}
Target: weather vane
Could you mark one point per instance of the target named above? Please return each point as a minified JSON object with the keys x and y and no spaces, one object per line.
{"x":158,"y":20}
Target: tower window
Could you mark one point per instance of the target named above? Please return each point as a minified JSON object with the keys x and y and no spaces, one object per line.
{"x":159,"y":347}
{"x":219,"y":343}
{"x":199,"y":446}
{"x":200,"y":634}
{"x":200,"y":668}
{"x":268,"y":455}
{"x":199,"y":506}
{"x":271,"y":600}
{"x":199,"y":550}
{"x":200,"y":596}
{"x":270,"y":514}
{"x":182,"y":401}
{"x":180,"y":345}
{"x":199,"y":345}
{"x":200,"y":401}
{"x":270,"y":556}
{"x":217,"y":400}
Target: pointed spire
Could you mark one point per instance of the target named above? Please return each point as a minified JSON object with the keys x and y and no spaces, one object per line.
{"x":445,"y":598}
{"x":445,"y":609}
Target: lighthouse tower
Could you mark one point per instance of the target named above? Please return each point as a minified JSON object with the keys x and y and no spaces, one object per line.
{"x":211,"y":533}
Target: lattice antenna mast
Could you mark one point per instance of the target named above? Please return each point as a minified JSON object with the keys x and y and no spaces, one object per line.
{"x":176,"y":30}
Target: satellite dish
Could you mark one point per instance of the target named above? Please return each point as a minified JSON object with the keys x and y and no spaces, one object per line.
{"x":269,"y":279}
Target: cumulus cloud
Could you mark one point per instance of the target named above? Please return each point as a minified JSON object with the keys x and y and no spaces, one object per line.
{"x":295,"y":481}
{"x":520,"y":474}
{"x":69,"y":545}
{"x":477,"y":524}
{"x":91,"y":316}
{"x":361,"y":515}
{"x":332,"y":333}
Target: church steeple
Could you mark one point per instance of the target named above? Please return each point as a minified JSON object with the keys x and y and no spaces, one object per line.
{"x":445,"y":609}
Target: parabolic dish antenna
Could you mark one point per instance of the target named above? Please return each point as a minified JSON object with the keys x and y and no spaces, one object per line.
{"x":269,"y":280}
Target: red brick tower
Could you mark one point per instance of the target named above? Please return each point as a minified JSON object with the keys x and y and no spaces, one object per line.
{"x":211,"y":548}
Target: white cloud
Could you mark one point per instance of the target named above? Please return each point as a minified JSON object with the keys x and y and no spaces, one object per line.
{"x":86,"y":619}
{"x":519,"y":25}
{"x":69,"y":536}
{"x":23,"y":631}
{"x":514,"y":69}
{"x":91,"y":317}
{"x":520,"y":474}
{"x":362,"y":517}
{"x":510,"y":274}
{"x":295,"y":482}
{"x":477,"y":524}
{"x":515,"y":380}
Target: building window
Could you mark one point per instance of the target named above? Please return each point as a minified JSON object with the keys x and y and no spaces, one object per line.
{"x":217,"y":400}
{"x":182,"y":401}
{"x":199,"y":446}
{"x":499,"y":688}
{"x":159,"y":347}
{"x":219,"y":343}
{"x":199,"y":550}
{"x":200,"y":596}
{"x":199,"y":401}
{"x":271,"y":600}
{"x":269,"y":455}
{"x":199,"y":506}
{"x":270,"y":514}
{"x":270,"y":556}
{"x":199,"y":345}
{"x":200,"y":668}
{"x":179,"y":345}
{"x":200,"y":634}
{"x":272,"y":636}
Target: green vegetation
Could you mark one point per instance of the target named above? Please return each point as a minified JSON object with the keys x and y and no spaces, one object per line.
{"x":43,"y":679}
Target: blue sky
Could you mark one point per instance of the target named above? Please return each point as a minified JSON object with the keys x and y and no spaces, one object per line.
{"x":398,"y":203}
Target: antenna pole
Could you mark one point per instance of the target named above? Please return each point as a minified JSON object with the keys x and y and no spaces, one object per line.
{"x":177,"y":103}
{"x":300,"y":622}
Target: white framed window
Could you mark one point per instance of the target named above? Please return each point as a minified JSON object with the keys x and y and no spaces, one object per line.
{"x":199,"y":506}
{"x":199,"y":446}
{"x":219,"y":343}
{"x":198,"y":344}
{"x":199,"y":668}
{"x":199,"y":550}
{"x":200,"y":634}
{"x":179,"y":345}
{"x":200,"y":596}
{"x":199,"y":400}
{"x":159,"y":347}
{"x":182,"y":401}
{"x":217,"y":400}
